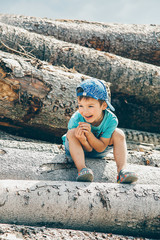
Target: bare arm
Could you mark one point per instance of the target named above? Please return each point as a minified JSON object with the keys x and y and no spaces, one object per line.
{"x":98,"y":144}
{"x":80,"y":135}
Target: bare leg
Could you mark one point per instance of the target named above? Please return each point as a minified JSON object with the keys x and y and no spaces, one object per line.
{"x":119,"y":148}
{"x":76,"y":150}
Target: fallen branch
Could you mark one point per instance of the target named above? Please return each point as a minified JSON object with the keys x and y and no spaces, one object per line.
{"x":19,"y":52}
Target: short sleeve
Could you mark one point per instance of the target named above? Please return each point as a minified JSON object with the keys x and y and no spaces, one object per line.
{"x":110,"y":127}
{"x":74,"y":121}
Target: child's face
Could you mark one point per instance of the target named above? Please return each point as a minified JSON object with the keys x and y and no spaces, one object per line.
{"x":91,"y":110}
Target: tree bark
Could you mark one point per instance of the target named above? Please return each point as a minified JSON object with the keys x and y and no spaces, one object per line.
{"x":135,"y":85}
{"x":128,"y":77}
{"x":40,"y":98}
{"x":11,"y":231}
{"x":86,"y":206}
{"x":22,"y":158}
{"x":43,"y":98}
{"x":137,"y":42}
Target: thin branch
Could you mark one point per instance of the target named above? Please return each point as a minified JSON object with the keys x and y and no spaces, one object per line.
{"x":20,"y":53}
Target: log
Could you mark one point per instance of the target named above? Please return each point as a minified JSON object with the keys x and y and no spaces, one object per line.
{"x":135,"y":88}
{"x":27,"y":159}
{"x":28,"y":99}
{"x":124,"y":209}
{"x":137,"y":42}
{"x":11,"y":231}
{"x":128,"y":77}
{"x":37,"y":99}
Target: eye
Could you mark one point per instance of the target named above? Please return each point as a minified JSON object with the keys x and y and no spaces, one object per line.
{"x":80,"y":106}
{"x":90,"y":106}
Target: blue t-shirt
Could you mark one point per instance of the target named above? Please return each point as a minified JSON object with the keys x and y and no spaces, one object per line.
{"x":105,"y":129}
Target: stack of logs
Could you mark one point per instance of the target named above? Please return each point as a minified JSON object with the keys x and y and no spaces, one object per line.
{"x":36,"y":94}
{"x":41,"y":63}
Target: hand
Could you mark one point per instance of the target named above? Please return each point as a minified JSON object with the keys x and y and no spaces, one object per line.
{"x":80,"y":135}
{"x":85,"y":127}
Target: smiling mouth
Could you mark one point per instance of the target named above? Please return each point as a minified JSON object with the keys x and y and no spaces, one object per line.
{"x":88,"y":117}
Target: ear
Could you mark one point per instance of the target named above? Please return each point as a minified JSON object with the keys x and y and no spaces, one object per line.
{"x":104,"y":105}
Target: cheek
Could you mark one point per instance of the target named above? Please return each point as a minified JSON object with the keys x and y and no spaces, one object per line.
{"x":80,"y":111}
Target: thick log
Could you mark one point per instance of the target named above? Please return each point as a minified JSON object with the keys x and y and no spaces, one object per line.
{"x":137,"y":42}
{"x":128,"y":77}
{"x":12,"y":231}
{"x":135,"y":85}
{"x":131,"y":209}
{"x":22,"y":158}
{"x":43,"y":98}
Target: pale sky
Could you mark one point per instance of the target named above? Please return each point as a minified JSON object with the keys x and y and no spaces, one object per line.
{"x":109,"y":11}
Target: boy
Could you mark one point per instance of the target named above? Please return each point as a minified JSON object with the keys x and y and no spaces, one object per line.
{"x":92,"y":130}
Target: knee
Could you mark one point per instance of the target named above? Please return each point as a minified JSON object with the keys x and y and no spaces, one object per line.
{"x":118,"y":134}
{"x":71,"y":134}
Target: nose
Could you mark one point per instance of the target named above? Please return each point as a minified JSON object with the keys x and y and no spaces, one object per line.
{"x":85,"y":111}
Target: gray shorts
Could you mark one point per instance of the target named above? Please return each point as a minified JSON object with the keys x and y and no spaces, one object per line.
{"x":93,"y":154}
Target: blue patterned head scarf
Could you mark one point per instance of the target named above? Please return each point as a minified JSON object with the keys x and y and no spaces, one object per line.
{"x":95,"y":89}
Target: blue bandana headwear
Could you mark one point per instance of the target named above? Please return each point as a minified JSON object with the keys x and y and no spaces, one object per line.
{"x":95,"y":89}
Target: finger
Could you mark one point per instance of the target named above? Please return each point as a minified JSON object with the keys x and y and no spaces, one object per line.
{"x":85,"y":128}
{"x":80,"y":131}
{"x":83,"y":124}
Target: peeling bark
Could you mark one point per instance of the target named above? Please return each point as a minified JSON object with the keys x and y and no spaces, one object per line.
{"x":128,"y":77}
{"x":85,"y":206}
{"x":37,"y":97}
{"x":135,"y":85}
{"x":42,"y":98}
{"x":137,"y":42}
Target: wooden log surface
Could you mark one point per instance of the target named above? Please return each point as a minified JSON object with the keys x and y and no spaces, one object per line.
{"x":30,"y":97}
{"x":137,"y":42}
{"x":12,"y":231}
{"x":140,"y":103}
{"x":128,"y":77}
{"x":29,"y":92}
{"x":49,"y":169}
{"x":129,"y":209}
{"x":22,"y":158}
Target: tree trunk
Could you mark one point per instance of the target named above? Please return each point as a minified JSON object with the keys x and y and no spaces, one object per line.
{"x":43,"y":98}
{"x":38,"y":98}
{"x":135,"y":85}
{"x":86,"y":206}
{"x":137,"y":42}
{"x":128,"y":77}
{"x":31,"y":160}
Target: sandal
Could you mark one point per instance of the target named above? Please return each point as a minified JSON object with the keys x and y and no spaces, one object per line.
{"x":126,"y":177}
{"x":85,"y":175}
